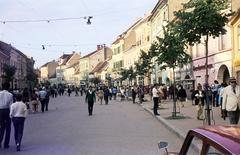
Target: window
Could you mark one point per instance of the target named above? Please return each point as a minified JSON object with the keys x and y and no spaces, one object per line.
{"x":197,"y":51}
{"x":222,"y":41}
{"x":118,"y":64}
{"x":164,"y":15}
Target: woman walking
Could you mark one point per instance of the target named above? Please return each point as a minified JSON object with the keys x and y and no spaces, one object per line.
{"x":34,"y":98}
{"x":100,"y":95}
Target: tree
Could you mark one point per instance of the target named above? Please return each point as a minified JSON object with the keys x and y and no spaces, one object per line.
{"x":32,"y":78}
{"x":124,"y":74}
{"x":202,"y":18}
{"x":170,"y":52}
{"x":8,"y":72}
{"x":95,"y":80}
{"x":131,"y":74}
{"x":127,"y":74}
{"x":144,"y":65}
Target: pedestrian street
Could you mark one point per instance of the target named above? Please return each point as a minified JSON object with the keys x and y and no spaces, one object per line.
{"x":119,"y":128}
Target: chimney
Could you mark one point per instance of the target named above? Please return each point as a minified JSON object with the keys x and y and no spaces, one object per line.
{"x":105,"y":52}
{"x":99,"y":47}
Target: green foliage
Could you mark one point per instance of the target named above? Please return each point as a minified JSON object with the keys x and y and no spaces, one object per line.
{"x":144,"y":64}
{"x":124,"y":74}
{"x":127,"y":73}
{"x":95,"y":80}
{"x":8,"y":72}
{"x":201,"y":18}
{"x":170,"y":50}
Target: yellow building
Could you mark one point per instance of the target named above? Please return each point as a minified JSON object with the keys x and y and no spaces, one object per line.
{"x":143,"y":42}
{"x":48,"y":71}
{"x":235,"y":27}
{"x":92,"y":63}
{"x":116,"y":62}
{"x":162,"y":13}
{"x":67,"y":67}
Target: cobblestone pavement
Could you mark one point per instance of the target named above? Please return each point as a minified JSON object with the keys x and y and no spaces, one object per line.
{"x":120,"y":128}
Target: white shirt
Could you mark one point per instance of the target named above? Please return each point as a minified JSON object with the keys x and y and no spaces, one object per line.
{"x":42,"y":94}
{"x":155,"y":92}
{"x":6,"y":99}
{"x":18,"y":109}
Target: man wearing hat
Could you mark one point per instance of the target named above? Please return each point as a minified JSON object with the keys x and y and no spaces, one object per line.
{"x":231,"y":101}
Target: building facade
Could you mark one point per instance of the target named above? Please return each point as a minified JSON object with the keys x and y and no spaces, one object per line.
{"x":4,"y":58}
{"x":48,"y":71}
{"x":235,"y":32}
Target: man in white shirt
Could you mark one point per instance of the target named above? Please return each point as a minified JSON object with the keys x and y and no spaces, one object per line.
{"x":155,"y":93}
{"x":43,"y":98}
{"x":231,"y":101}
{"x":18,"y":113}
{"x":6,"y":99}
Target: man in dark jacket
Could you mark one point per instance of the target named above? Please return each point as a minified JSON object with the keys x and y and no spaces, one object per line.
{"x":181,"y":95}
{"x":106,"y":94}
{"x":90,"y":99}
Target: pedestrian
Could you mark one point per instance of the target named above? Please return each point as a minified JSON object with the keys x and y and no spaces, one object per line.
{"x":90,"y":99}
{"x":199,"y":97}
{"x":100,"y":94}
{"x":6,"y":99}
{"x":141,"y":94}
{"x":18,"y":113}
{"x":215,"y":88}
{"x":76,"y":91}
{"x":106,"y":94}
{"x":122,"y":92}
{"x":81,"y":91}
{"x":220,"y":97}
{"x":114,"y":93}
{"x":110,"y":93}
{"x":181,"y":95}
{"x":47,"y":98}
{"x":134,"y":94}
{"x":42,"y":98}
{"x":156,"y":94}
{"x":231,"y":101}
{"x":69,"y":91}
{"x":34,"y":101}
{"x":25,"y":97}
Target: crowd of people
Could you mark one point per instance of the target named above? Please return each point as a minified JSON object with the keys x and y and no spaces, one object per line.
{"x":15,"y":105}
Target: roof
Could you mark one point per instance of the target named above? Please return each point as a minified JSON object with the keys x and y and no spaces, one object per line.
{"x":64,"y":56}
{"x":89,"y":54}
{"x":125,"y":32}
{"x":99,"y":67}
{"x":155,"y":9}
{"x":5,"y":48}
{"x":45,"y":65}
{"x":226,"y":136}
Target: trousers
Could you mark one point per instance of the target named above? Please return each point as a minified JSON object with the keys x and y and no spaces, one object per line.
{"x":5,"y":126}
{"x":18,"y":123}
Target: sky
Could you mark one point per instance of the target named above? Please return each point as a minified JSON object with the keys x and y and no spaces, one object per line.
{"x":110,"y":19}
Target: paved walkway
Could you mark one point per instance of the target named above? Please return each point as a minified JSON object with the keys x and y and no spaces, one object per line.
{"x":182,"y":126}
{"x":120,"y":128}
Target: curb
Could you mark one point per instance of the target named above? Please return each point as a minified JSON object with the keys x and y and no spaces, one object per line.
{"x":172,"y":128}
